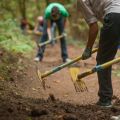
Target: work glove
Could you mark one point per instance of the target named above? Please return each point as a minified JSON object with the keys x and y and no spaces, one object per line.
{"x":52,"y":39}
{"x":64,"y":34}
{"x":87,"y":53}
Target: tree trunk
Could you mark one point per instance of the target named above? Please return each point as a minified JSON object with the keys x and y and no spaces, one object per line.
{"x":47,"y":2}
{"x":22,"y":8}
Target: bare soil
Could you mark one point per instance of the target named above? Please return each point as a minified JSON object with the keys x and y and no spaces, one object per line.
{"x":22,"y":96}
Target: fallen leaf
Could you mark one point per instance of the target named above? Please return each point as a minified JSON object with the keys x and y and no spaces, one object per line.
{"x":34,"y":89}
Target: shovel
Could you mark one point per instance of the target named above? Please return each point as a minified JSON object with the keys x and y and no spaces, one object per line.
{"x":58,"y":68}
{"x":97,"y":68}
{"x":49,"y":41}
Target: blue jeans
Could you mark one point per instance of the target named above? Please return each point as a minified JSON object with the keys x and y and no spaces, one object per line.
{"x":60,"y":26}
{"x":53,"y":32}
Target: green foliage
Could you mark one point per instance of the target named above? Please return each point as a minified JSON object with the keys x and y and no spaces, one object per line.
{"x":8,"y":9}
{"x":82,"y":26}
{"x":76,"y":42}
{"x":31,"y":9}
{"x":12,"y":39}
{"x":116,"y":72}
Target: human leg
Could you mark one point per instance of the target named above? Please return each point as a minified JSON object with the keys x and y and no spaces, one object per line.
{"x":64,"y":53}
{"x":108,"y":45}
{"x":43,"y":38}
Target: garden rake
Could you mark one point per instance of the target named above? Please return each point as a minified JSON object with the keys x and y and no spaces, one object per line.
{"x":49,"y":41}
{"x":58,"y":68}
{"x":80,"y":85}
{"x":97,"y":68}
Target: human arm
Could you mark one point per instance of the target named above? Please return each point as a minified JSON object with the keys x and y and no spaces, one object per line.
{"x":36,"y":26}
{"x":93,"y":31}
{"x":65,"y":22}
{"x":49,"y":29}
{"x":91,"y":19}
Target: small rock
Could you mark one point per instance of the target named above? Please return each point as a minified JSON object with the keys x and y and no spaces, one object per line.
{"x":115,"y":117}
{"x":10,"y":110}
{"x":66,"y":95}
{"x":70,"y":117}
{"x":11,"y":79}
{"x":56,"y":81}
{"x":115,"y":109}
{"x":34,"y":89}
{"x":37,"y":112}
{"x":52,"y":97}
{"x":1,"y":53}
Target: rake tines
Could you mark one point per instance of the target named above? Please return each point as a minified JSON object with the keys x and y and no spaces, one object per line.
{"x":77,"y":88}
{"x":79,"y":85}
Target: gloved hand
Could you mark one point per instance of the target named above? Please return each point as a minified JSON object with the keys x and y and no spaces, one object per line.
{"x":87,"y":53}
{"x":64,"y":34}
{"x":50,"y":38}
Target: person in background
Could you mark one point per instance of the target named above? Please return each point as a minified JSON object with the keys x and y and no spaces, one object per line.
{"x":54,"y":13}
{"x":39,"y":28}
{"x":108,"y":12}
{"x":25,"y":25}
{"x":39,"y":24}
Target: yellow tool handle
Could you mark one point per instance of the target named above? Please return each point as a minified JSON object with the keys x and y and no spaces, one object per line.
{"x":32,"y":32}
{"x":48,"y":41}
{"x":107,"y":64}
{"x":82,"y":75}
{"x":58,"y":68}
{"x":98,"y":68}
{"x":38,"y":33}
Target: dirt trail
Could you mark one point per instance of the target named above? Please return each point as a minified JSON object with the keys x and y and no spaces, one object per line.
{"x":60,"y":83}
{"x":29,"y":94}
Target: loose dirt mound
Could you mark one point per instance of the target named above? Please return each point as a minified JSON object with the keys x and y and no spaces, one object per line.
{"x":23,"y":98}
{"x":16,"y":107}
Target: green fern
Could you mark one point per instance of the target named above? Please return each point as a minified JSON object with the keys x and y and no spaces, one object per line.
{"x":12,"y":39}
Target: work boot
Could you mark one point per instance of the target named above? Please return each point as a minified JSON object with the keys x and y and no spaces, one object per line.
{"x":106,"y":104}
{"x":66,"y":60}
{"x":38,"y":59}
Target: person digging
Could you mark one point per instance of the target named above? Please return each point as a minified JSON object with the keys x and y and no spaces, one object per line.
{"x":55,"y":12}
{"x":108,"y":13}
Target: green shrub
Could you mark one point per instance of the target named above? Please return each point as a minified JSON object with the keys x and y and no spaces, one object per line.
{"x":12,"y":39}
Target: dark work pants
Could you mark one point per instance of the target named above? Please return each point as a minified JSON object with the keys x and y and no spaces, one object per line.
{"x":108,"y":45}
{"x":60,"y":26}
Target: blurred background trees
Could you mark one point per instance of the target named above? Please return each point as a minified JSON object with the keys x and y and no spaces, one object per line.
{"x":30,"y":9}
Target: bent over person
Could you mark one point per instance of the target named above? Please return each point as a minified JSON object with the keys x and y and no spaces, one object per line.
{"x":108,"y":12}
{"x":54,"y":12}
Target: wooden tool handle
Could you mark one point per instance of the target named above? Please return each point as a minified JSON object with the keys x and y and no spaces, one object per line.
{"x":98,"y":68}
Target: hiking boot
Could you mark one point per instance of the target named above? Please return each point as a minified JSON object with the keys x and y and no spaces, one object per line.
{"x":67,"y":60}
{"x":38,"y":59}
{"x":106,"y":104}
